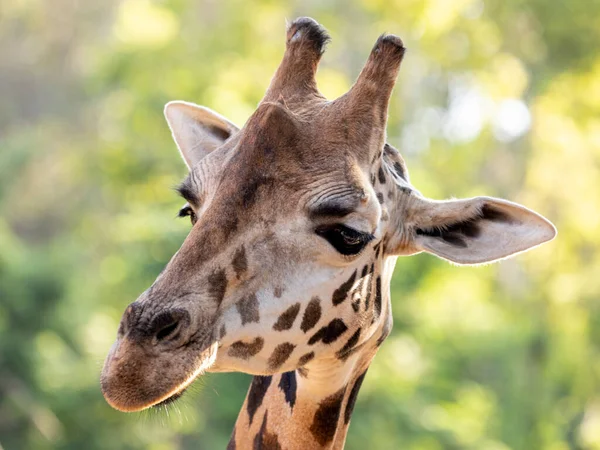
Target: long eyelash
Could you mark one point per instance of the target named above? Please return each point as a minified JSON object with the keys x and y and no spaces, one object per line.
{"x":364,"y":237}
{"x":185,"y":212}
{"x":185,"y":190}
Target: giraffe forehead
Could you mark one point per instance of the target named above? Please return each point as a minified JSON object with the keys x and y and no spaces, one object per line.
{"x":258,"y":176}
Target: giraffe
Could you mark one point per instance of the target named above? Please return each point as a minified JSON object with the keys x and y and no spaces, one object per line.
{"x":298,"y":219}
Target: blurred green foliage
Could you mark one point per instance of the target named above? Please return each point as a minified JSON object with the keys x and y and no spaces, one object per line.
{"x":498,"y":97}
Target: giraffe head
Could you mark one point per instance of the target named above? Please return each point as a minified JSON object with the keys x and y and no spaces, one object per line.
{"x":293,"y":218}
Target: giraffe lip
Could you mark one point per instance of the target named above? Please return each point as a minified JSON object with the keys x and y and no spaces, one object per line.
{"x":170,"y":400}
{"x":178,"y":392}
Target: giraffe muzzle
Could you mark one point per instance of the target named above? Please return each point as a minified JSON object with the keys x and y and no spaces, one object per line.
{"x":155,"y":358}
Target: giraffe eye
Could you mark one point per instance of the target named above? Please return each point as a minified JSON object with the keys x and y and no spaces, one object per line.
{"x":188,"y":211}
{"x":345,"y":240}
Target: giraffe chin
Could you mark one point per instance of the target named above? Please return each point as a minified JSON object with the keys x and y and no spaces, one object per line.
{"x":132,"y":382}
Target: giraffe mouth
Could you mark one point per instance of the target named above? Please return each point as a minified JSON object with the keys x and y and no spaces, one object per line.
{"x":132,"y":382}
{"x":169,"y":401}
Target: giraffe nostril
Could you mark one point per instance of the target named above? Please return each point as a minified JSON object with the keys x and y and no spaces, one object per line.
{"x":167,"y":325}
{"x":167,"y":331}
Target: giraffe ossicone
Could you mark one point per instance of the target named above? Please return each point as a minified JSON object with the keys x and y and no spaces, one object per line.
{"x":297,"y":221}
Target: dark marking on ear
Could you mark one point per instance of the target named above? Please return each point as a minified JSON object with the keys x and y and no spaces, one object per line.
{"x":231,"y":445}
{"x":326,"y":418}
{"x":256,"y":394}
{"x":289,"y":385}
{"x":248,"y":309}
{"x":243,"y":350}
{"x":454,"y":239}
{"x":312,"y":314}
{"x":356,"y":305}
{"x":217,"y":284}
{"x":240,"y":263}
{"x":452,"y":234}
{"x":352,"y":397}
{"x":380,"y":198}
{"x":304,"y":359}
{"x":341,"y":293}
{"x":456,"y":233}
{"x":488,"y":212}
{"x":381,"y":175}
{"x":329,"y":333}
{"x":394,"y":155}
{"x":222,"y":332}
{"x":373,"y":179}
{"x":280,"y":355}
{"x":400,"y":170}
{"x":265,"y":440}
{"x":347,"y":350}
{"x":287,"y":318}
{"x":377,"y":303}
{"x":218,"y":132}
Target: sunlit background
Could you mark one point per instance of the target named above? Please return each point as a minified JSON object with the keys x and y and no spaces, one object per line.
{"x":494,"y":98}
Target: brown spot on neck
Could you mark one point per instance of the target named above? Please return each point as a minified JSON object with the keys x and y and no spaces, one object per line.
{"x":265,"y":440}
{"x":256,"y":394}
{"x":329,"y":333}
{"x":287,"y":318}
{"x":350,"y":347}
{"x":245,"y":350}
{"x":341,"y":293}
{"x":352,"y":397}
{"x":303,"y":372}
{"x":304,"y":359}
{"x":280,"y":355}
{"x":326,"y":417}
{"x":312,"y":314}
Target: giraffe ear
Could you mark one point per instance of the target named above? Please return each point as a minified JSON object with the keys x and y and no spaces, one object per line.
{"x":477,"y":230}
{"x":197,"y":130}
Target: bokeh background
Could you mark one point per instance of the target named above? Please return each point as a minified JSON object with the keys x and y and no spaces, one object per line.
{"x":496,"y":97}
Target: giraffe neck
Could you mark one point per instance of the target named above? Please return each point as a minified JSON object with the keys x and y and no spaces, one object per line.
{"x":310,"y":408}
